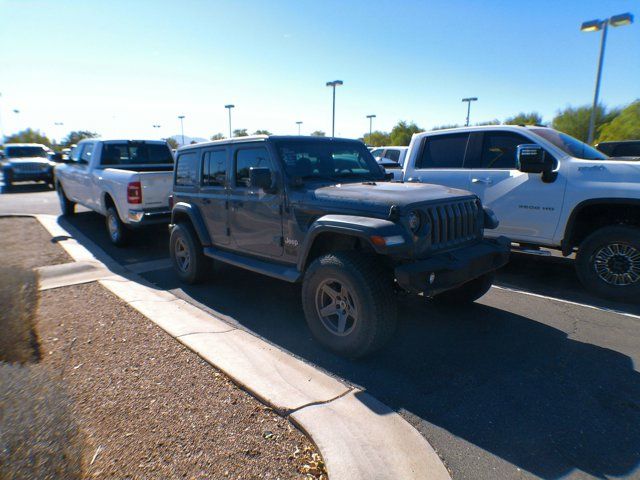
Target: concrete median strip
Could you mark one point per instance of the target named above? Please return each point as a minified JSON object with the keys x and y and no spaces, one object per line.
{"x":359,"y":437}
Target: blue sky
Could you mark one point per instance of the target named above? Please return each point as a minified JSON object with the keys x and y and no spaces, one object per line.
{"x":118,"y":67}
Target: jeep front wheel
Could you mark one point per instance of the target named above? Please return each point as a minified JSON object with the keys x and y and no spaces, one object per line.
{"x":349,"y":303}
{"x":608,"y":262}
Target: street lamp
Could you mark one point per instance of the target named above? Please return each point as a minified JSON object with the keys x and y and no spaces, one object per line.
{"x":334,"y":84}
{"x":298,"y":123}
{"x":229,"y":107}
{"x":181,"y":117}
{"x":370,"y":117}
{"x":594,"y":26}
{"x":469,"y":100}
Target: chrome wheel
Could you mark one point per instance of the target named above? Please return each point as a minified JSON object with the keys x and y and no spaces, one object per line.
{"x":181,"y":252}
{"x":618,"y":264}
{"x":112,"y":223}
{"x":336,"y":307}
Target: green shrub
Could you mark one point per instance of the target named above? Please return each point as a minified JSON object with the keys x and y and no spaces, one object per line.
{"x":39,"y":438}
{"x":18,"y":308}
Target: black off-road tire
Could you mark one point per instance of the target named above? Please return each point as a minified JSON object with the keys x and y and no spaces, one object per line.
{"x":589,"y":262}
{"x":185,"y":240}
{"x":468,"y":292}
{"x":371,"y":290}
{"x":118,"y":232}
{"x":67,"y":207}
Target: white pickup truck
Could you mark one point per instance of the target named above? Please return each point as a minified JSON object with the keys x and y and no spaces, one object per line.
{"x":127,"y":181}
{"x":547,"y":190}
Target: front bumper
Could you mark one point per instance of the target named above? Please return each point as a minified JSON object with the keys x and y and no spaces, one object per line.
{"x":448,"y":270}
{"x":17,"y":176}
{"x":143,"y":218}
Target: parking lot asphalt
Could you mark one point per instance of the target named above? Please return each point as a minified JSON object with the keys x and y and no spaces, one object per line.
{"x":516,"y":386}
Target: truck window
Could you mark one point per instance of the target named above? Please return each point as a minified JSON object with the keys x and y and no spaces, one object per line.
{"x":136,"y":153}
{"x":444,"y":151}
{"x":186,"y":169}
{"x":214,"y":168}
{"x":499,"y":149}
{"x":393,"y":155}
{"x":377,"y":152}
{"x":87,"y":151}
{"x":247,"y":158}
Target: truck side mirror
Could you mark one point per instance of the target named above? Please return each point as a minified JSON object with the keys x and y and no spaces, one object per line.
{"x":260,"y":178}
{"x":533,"y":159}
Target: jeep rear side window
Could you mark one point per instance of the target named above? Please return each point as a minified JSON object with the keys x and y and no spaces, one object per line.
{"x":247,"y":158}
{"x":444,"y":151}
{"x":214,"y":168}
{"x":499,"y":149}
{"x":186,"y":167}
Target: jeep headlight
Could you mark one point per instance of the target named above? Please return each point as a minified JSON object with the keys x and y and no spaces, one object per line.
{"x":414,"y":221}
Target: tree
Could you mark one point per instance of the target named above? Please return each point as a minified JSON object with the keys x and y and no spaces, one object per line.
{"x":625,"y":126}
{"x":172,"y":142}
{"x":240,"y":132}
{"x":217,"y":136}
{"x":533,"y":118}
{"x":318,"y":133}
{"x":444,"y":127}
{"x":28,"y":136}
{"x":377,"y":139}
{"x":401,"y":134}
{"x":262,"y":132}
{"x":74,"y":137}
{"x":495,"y":121}
{"x":574,"y":121}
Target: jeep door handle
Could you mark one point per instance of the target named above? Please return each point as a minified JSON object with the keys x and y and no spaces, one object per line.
{"x":486,"y":181}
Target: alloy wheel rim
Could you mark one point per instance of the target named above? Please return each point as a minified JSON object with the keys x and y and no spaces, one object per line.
{"x":336,"y":307}
{"x":618,"y":264}
{"x":183,"y":258}
{"x":113,"y":227}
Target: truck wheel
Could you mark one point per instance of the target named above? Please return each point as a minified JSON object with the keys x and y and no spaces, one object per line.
{"x":189,"y":262}
{"x":468,"y":292}
{"x":8,"y":179}
{"x":608,"y":262}
{"x":349,"y":303}
{"x":118,"y":232}
{"x":67,"y":207}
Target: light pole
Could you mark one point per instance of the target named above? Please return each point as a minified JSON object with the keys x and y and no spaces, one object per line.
{"x":469,"y":100}
{"x":334,"y":84}
{"x":594,"y":26}
{"x":370,"y":117}
{"x":181,"y":117}
{"x":229,"y":107}
{"x":298,"y":123}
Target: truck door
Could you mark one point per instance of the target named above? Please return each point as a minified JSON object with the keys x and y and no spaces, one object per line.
{"x":214,"y":194}
{"x":255,"y":216}
{"x":528,"y":208}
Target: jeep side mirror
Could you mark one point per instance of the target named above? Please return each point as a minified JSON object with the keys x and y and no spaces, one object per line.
{"x":533,"y":159}
{"x":260,"y":178}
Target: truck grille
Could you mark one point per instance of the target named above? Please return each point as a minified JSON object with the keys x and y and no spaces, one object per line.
{"x":453,"y":223}
{"x":29,"y":168}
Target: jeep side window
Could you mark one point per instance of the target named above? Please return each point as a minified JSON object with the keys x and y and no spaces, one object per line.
{"x":247,"y":158}
{"x":186,"y":169}
{"x":214,"y":168}
{"x":499,"y":149}
{"x":443,"y":151}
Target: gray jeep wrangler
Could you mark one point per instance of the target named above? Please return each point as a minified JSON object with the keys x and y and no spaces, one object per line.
{"x":320,"y":211}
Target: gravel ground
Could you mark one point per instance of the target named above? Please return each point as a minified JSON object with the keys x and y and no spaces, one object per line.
{"x":24,"y":242}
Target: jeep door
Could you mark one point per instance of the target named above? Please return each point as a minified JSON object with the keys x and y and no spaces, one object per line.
{"x":255,"y":216}
{"x":214,"y":193}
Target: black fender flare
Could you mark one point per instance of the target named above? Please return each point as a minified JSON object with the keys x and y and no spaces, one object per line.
{"x":194,"y":215}
{"x":355,"y":226}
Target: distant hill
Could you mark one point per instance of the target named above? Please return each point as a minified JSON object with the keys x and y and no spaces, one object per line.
{"x":187,"y":139}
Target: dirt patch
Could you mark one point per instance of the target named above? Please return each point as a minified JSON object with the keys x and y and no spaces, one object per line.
{"x":26,"y":243}
{"x":150,"y":408}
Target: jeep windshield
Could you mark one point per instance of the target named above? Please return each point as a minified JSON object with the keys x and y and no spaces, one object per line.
{"x":569,"y":145}
{"x":328,"y":160}
{"x":24,"y":152}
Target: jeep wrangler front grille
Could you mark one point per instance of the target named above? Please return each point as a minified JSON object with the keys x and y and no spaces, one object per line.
{"x":453,"y":223}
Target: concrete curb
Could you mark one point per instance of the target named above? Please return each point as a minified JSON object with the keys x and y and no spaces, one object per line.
{"x":358,"y":436}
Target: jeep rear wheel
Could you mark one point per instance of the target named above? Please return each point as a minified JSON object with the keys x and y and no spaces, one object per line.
{"x":349,"y":303}
{"x":468,"y":292}
{"x":608,"y":262}
{"x":189,"y":262}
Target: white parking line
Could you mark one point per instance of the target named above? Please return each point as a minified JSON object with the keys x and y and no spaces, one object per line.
{"x":568,"y":302}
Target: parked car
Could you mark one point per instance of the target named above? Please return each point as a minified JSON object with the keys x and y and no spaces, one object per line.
{"x":549,"y":190}
{"x":624,"y":148}
{"x":397,"y":154}
{"x":27,"y":162}
{"x":127,"y":181}
{"x":319,"y":211}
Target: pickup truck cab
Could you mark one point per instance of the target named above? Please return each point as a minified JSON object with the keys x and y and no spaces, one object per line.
{"x":319,"y":211}
{"x":127,"y":181}
{"x":549,"y":190}
{"x":27,"y":162}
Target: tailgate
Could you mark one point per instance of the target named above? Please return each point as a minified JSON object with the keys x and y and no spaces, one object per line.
{"x":156,"y":188}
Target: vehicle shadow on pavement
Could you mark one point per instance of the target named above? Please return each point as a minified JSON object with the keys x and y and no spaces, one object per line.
{"x":512,"y":386}
{"x":24,"y":188}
